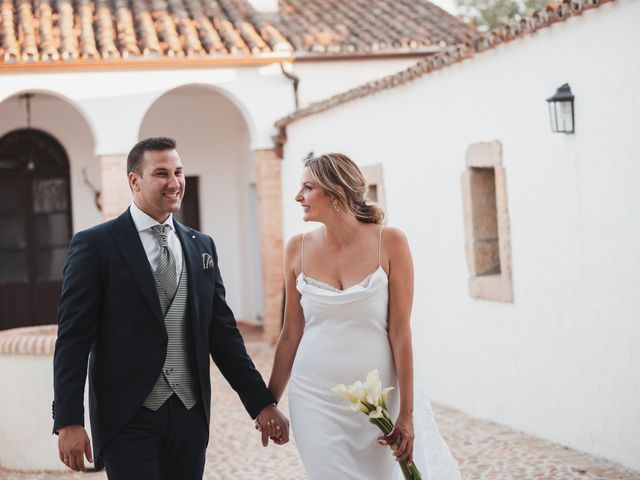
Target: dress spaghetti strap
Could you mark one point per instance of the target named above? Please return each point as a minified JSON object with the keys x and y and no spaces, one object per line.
{"x":302,"y":253}
{"x":380,"y":248}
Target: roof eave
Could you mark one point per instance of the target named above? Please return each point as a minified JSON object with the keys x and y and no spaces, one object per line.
{"x":209,"y":62}
{"x":147,"y":63}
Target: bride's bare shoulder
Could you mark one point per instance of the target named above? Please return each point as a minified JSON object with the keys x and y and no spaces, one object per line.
{"x":293,"y":249}
{"x":296,"y":240}
{"x":393,"y":235}
{"x":395,"y":245}
{"x":293,"y":246}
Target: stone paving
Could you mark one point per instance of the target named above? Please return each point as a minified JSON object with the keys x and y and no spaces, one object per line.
{"x":485,"y":450}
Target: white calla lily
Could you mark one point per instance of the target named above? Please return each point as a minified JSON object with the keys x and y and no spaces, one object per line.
{"x":341,"y":390}
{"x":371,"y":399}
{"x":377,"y":413}
{"x":350,"y":394}
{"x":385,"y":395}
{"x":373,"y":386}
{"x":357,"y":391}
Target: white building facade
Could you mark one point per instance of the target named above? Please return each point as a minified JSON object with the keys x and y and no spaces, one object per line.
{"x":547,"y":341}
{"x":221,"y":118}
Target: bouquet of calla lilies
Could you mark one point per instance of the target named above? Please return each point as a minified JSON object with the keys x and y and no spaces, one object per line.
{"x":371,"y":399}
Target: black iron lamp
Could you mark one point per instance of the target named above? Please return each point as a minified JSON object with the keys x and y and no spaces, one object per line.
{"x":561,"y":110}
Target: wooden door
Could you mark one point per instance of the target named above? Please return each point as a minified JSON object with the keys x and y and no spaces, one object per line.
{"x":35,"y":215}
{"x":189,"y":213}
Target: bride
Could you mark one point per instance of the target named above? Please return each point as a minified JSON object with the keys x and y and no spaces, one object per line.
{"x":349,"y":292}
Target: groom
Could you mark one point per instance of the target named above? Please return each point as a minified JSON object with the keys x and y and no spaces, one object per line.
{"x":144,"y":302}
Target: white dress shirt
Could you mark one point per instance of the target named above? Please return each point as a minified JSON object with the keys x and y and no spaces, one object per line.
{"x":143,"y":224}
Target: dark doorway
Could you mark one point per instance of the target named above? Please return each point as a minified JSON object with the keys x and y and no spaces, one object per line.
{"x":189,"y":213}
{"x":35,"y":214}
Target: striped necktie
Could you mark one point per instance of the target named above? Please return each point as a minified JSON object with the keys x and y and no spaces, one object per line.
{"x":166,"y":271}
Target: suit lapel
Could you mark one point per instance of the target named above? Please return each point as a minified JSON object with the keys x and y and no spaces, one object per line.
{"x":193,"y":260}
{"x":128,"y":241}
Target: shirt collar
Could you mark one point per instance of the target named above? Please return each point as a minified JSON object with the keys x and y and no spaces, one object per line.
{"x":143,"y":221}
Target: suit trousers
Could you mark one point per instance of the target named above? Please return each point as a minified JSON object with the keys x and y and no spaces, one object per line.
{"x":167,"y":444}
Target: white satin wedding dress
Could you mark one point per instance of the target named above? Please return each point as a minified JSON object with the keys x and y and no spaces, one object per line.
{"x":345,"y":337}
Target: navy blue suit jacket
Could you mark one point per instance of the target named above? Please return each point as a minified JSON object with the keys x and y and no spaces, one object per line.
{"x":110,"y":315}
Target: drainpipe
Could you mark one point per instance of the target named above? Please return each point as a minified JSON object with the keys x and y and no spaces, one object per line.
{"x":294,"y":79}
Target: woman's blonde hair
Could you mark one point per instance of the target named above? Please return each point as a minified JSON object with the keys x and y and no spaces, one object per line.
{"x":341,"y":179}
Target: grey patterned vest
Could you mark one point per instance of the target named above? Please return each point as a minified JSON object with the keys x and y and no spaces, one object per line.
{"x":177,"y":373}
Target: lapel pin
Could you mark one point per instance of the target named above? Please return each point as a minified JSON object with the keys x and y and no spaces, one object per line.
{"x":193,"y":236}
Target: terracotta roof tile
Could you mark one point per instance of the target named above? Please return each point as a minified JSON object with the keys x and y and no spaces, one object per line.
{"x":126,"y":34}
{"x":47,"y":46}
{"x":88,"y":49}
{"x":68,"y":40}
{"x":211,"y":41}
{"x":10,"y":46}
{"x":482,"y":42}
{"x":25,"y":15}
{"x":148,"y":37}
{"x":368,"y":26}
{"x":105,"y":30}
{"x":33,"y":31}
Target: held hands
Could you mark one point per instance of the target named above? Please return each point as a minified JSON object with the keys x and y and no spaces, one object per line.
{"x":73,"y":443}
{"x":273,"y":425}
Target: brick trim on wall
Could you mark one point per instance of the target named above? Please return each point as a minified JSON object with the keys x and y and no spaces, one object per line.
{"x":115,"y":192}
{"x":269,"y":189}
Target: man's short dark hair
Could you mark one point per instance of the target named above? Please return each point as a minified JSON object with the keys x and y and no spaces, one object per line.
{"x":154,"y":144}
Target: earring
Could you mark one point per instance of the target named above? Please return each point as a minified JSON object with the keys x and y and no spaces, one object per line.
{"x":335,"y":206}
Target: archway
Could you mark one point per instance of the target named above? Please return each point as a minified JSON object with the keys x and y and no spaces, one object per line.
{"x":213,"y":137}
{"x":35,"y":211}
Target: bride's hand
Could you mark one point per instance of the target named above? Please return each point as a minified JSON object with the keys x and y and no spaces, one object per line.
{"x":404,"y":425}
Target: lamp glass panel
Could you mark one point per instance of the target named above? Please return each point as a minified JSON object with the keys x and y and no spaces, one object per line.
{"x":553,"y":116}
{"x":566,"y":116}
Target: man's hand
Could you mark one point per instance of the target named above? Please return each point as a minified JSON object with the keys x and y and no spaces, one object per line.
{"x":73,"y":444}
{"x":273,"y":425}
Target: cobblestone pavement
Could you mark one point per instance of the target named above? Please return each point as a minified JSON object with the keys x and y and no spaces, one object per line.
{"x":485,"y":450}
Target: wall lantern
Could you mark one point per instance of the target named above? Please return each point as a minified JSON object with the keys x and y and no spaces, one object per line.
{"x":561,"y":110}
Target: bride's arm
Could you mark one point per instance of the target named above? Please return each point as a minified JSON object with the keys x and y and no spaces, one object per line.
{"x":293,"y":322}
{"x":400,"y":303}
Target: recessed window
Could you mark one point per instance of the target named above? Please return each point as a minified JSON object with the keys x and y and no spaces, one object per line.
{"x":484,"y":219}
{"x":488,"y":244}
{"x":375,"y":189}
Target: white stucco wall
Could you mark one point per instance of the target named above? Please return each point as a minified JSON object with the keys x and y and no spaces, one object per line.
{"x":213,"y":142}
{"x":60,"y":119}
{"x":27,"y":442}
{"x":114,"y":102}
{"x":562,"y":361}
{"x":319,"y":80}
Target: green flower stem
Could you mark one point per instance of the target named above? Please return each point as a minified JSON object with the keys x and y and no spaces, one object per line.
{"x":415,"y":472}
{"x":376,"y":422}
{"x":405,"y":470}
{"x":389,"y":425}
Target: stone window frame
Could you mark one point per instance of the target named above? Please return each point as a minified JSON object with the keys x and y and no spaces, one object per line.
{"x":496,"y":287}
{"x":373,"y":175}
